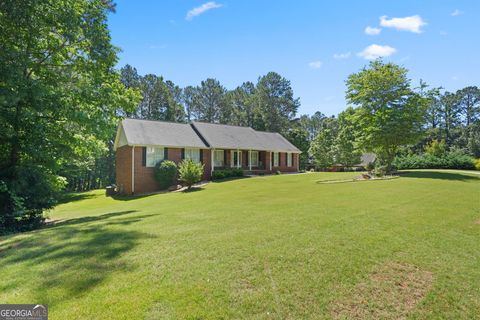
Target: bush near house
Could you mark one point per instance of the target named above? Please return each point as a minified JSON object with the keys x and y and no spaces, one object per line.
{"x":190,"y":172}
{"x":450,"y":160}
{"x":227,"y":173}
{"x":165,"y":173}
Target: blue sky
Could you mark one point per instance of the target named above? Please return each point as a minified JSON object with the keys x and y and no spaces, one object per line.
{"x":314,"y":44}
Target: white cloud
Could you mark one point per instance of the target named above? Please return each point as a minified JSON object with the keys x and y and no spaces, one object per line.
{"x":315,"y":64}
{"x":412,"y":23}
{"x":443,"y":33}
{"x":375,"y":51}
{"x":345,"y":55}
{"x":202,"y":9}
{"x":456,"y":12}
{"x":371,"y":31}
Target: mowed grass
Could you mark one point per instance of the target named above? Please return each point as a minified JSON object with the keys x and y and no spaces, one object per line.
{"x":278,"y":247}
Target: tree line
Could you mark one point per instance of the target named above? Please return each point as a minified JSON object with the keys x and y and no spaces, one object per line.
{"x":267,"y":105}
{"x":393,"y":119}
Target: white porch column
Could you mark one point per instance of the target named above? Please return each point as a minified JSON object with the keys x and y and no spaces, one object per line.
{"x":212,"y":151}
{"x":250,"y":160}
{"x":270,"y":162}
{"x":133,"y":169}
{"x":238,"y":158}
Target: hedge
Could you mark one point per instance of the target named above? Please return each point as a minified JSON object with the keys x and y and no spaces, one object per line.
{"x":451,"y":160}
{"x":227,"y":173}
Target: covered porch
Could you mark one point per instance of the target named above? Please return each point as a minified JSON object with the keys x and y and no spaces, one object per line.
{"x":254,"y":161}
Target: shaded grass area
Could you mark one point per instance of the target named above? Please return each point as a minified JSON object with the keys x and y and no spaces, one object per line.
{"x":440,"y":175}
{"x":273,"y":247}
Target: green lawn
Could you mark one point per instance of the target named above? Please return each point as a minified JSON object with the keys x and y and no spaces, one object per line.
{"x":278,"y":247}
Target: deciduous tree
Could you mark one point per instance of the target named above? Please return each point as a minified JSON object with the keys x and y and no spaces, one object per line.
{"x":389,"y":114}
{"x":58,"y":89}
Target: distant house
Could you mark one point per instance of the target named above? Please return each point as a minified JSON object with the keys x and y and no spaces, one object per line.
{"x":365,"y":159}
{"x":141,"y":144}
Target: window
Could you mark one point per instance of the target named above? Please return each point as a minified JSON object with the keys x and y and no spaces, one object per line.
{"x":236,"y":159}
{"x":154,"y":156}
{"x":289,"y":159}
{"x":254,"y":158}
{"x":218,"y":160}
{"x":275,"y":159}
{"x":192,"y":154}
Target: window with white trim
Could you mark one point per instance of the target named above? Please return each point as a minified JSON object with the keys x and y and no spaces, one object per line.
{"x":275,"y":159}
{"x":192,"y":154}
{"x":154,"y":156}
{"x":235,"y":158}
{"x":218,"y":158}
{"x":289,"y":159}
{"x":254,"y":158}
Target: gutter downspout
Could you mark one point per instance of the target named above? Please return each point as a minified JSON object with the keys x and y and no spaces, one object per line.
{"x":133,"y":169}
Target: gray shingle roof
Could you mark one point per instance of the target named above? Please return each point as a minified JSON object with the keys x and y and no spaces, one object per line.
{"x":234,"y":137}
{"x":169,"y":134}
{"x":199,"y":135}
{"x":367,"y":158}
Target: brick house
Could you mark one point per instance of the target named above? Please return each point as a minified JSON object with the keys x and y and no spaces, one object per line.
{"x":141,"y":144}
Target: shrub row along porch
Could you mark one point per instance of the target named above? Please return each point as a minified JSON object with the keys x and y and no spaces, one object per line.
{"x":141,"y":144}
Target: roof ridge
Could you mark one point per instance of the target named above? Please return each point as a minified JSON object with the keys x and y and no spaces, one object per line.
{"x":161,"y":121}
{"x":223,"y":124}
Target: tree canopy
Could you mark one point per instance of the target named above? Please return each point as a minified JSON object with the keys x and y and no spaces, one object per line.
{"x":59,"y":97}
{"x":389,"y":112}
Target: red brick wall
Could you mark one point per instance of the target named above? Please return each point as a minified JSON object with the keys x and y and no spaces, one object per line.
{"x":123,"y":169}
{"x":144,"y":176}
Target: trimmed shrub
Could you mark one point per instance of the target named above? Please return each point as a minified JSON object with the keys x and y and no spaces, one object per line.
{"x":227,"y":173}
{"x":165,"y":173}
{"x":451,"y":160}
{"x":476,"y":163}
{"x":190,"y":172}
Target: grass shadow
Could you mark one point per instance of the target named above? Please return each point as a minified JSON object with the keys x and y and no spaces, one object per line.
{"x":75,"y":196}
{"x":193,"y":189}
{"x":119,"y":197}
{"x":438,"y":175}
{"x":75,"y":256}
{"x":87,"y":219}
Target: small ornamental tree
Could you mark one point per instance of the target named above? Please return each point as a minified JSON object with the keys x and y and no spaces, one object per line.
{"x":190,"y":172}
{"x":165,"y":173}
